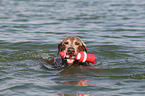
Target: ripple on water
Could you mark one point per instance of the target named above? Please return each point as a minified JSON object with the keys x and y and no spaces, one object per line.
{"x":112,"y":29}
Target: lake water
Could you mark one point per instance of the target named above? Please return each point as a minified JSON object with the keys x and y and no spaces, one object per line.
{"x":113,"y":30}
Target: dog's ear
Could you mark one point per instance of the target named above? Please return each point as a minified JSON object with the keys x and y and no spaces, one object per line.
{"x":60,"y":45}
{"x":84,"y":47}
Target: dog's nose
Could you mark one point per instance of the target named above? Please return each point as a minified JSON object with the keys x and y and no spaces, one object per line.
{"x":71,"y":50}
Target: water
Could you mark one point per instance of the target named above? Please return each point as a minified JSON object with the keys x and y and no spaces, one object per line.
{"x":114,"y":31}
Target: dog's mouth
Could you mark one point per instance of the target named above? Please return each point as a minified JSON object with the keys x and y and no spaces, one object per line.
{"x":70,"y":61}
{"x":71,"y":52}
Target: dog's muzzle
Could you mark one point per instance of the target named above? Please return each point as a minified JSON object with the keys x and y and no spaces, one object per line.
{"x":70,"y":51}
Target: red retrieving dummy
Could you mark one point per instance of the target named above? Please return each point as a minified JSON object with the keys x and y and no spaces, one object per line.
{"x":82,"y":56}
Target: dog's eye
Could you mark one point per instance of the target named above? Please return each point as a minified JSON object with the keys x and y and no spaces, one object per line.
{"x":65,"y":42}
{"x":77,"y":43}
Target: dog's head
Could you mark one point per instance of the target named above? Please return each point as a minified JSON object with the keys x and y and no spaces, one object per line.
{"x":72,"y":46}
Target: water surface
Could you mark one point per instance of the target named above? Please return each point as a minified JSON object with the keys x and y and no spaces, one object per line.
{"x":113,"y":30}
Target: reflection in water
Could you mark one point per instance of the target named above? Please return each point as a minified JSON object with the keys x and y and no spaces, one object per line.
{"x":80,"y":83}
{"x":76,"y":73}
{"x":76,"y":94}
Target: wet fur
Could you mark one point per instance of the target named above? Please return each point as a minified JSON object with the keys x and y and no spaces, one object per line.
{"x":74,"y":42}
{"x":61,"y":62}
{"x":82,"y":46}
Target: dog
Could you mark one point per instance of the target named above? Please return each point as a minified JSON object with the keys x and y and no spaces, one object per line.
{"x":72,"y":46}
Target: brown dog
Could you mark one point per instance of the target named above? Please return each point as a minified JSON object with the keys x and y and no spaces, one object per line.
{"x":72,"y":46}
